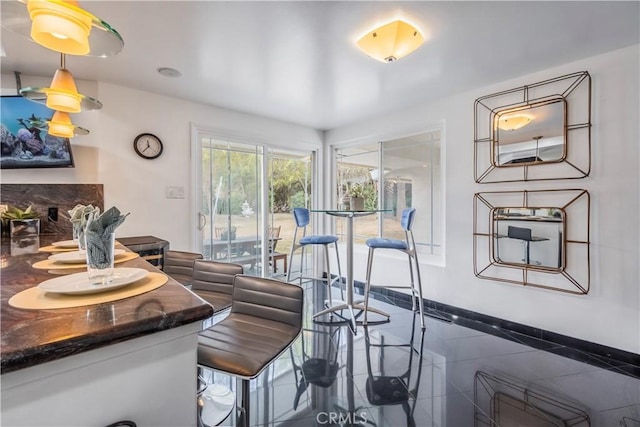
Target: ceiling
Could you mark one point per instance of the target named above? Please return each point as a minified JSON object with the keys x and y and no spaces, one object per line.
{"x":296,"y":61}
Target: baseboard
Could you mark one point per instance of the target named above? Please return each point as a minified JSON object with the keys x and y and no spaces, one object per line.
{"x":584,"y":351}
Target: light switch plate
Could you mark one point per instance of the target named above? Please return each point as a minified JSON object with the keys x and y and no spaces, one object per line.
{"x":174,"y":192}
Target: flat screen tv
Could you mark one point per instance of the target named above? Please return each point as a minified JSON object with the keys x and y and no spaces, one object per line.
{"x":25,"y":142}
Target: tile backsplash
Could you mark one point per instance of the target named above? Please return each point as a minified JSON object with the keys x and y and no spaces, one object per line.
{"x":62,"y":197}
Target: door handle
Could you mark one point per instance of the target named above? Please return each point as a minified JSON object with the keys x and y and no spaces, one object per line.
{"x":202,"y":221}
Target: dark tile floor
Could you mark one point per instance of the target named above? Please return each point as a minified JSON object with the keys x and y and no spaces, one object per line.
{"x":395,"y":374}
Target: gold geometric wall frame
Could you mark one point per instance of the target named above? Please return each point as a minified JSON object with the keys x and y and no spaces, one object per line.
{"x":540,"y":131}
{"x":504,"y":401}
{"x":536,"y":238}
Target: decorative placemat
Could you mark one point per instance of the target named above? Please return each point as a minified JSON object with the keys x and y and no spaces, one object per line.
{"x":48,"y":264}
{"x":56,"y":249}
{"x":37,"y":299}
{"x":52,"y":248}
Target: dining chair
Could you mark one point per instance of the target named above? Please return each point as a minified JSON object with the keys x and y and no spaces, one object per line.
{"x":408,"y":246}
{"x":301,"y":217}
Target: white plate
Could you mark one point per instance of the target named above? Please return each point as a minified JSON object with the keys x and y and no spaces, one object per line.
{"x":65,"y":244}
{"x":78,"y":284}
{"x":76,"y":257}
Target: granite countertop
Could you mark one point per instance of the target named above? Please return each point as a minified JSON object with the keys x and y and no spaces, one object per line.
{"x":32,"y":337}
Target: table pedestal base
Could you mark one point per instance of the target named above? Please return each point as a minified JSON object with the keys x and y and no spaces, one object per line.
{"x":351,"y":316}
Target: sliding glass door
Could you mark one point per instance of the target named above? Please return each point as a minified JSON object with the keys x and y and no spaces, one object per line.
{"x":290,"y":179}
{"x":230,"y":199}
{"x":244,"y":196}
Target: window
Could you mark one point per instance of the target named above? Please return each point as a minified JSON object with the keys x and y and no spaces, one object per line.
{"x":394,"y":175}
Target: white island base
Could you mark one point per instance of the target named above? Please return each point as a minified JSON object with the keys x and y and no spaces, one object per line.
{"x":150,"y":380}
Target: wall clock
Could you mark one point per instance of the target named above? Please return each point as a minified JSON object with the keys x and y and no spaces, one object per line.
{"x":147,"y":146}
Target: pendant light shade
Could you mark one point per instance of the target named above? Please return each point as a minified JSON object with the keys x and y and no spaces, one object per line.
{"x":63,"y":95}
{"x":61,"y":26}
{"x":391,"y":41}
{"x":60,"y":125}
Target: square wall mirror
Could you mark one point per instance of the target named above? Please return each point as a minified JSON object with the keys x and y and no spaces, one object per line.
{"x":537,"y":238}
{"x":529,"y":237}
{"x":530,"y":135}
{"x":540,"y":131}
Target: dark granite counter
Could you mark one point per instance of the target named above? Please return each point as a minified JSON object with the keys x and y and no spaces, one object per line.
{"x":32,"y":337}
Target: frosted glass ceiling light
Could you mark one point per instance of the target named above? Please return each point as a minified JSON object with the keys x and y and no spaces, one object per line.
{"x":62,"y":26}
{"x":391,"y":41}
{"x":60,"y":125}
{"x":513,"y":122}
{"x":62,"y":95}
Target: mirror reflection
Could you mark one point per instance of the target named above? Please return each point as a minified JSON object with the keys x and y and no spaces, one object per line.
{"x":528,"y":236}
{"x":530,"y":134}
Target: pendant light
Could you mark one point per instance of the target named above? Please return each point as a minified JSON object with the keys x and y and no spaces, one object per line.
{"x":60,"y":125}
{"x":62,"y":26}
{"x":62,"y":95}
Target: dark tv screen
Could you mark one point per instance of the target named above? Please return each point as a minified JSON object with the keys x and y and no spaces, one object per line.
{"x":25,"y":142}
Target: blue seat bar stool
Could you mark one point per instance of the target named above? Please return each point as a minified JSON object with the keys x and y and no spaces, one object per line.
{"x":407,"y":246}
{"x":301,"y":217}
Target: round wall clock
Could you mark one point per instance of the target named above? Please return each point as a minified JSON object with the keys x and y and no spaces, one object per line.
{"x":147,"y":146}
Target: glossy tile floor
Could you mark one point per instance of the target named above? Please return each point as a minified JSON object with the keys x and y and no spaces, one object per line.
{"x":395,"y":374}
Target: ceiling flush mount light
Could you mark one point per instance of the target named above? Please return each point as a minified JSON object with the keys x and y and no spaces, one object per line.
{"x":62,"y":26}
{"x":62,"y":95}
{"x":60,"y":125}
{"x":513,"y":121}
{"x":391,"y":41}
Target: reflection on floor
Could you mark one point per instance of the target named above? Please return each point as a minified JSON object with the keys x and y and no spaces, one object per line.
{"x":394,"y":374}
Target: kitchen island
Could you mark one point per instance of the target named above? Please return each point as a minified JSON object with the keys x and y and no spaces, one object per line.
{"x":129,"y":359}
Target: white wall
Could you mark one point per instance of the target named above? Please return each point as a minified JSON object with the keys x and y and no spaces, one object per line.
{"x":610,"y":313}
{"x":139,"y":186}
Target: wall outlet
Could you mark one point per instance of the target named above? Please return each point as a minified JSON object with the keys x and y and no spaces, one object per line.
{"x":52,"y":214}
{"x":175,"y":192}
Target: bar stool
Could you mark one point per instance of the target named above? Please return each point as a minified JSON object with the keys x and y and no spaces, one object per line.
{"x":301,"y":216}
{"x":524,"y":234}
{"x":388,"y":384}
{"x":213,"y":282}
{"x":408,"y":246}
{"x":265,"y":318}
{"x":179,"y":265}
{"x":320,"y":368}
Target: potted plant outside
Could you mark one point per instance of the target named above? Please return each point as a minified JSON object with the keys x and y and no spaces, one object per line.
{"x":21,"y":222}
{"x":357,"y":197}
